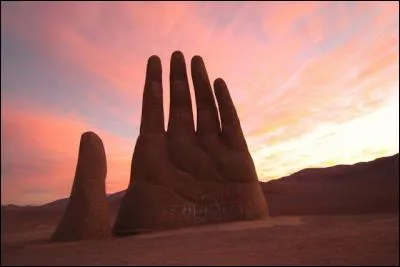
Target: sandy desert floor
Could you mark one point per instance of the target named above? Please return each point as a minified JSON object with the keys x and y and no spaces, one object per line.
{"x":308,"y":240}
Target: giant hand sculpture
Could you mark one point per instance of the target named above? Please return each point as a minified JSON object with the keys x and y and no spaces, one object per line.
{"x":182,"y":177}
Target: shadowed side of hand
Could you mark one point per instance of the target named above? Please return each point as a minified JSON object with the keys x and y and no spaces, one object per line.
{"x":182,"y":177}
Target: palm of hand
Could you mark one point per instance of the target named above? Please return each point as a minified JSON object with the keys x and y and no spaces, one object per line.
{"x":182,"y":177}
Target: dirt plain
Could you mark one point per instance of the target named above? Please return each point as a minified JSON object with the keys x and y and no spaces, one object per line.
{"x":369,"y":239}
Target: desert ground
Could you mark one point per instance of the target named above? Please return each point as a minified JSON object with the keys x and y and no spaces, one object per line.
{"x":370,"y":239}
{"x":342,"y":215}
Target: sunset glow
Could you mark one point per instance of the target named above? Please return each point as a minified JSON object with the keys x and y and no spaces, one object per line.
{"x":315,"y":83}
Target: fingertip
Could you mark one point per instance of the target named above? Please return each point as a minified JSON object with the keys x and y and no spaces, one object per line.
{"x":197,"y":57}
{"x":197,"y":60}
{"x":221,"y":91}
{"x":89,"y":135}
{"x":154,"y":69}
{"x":219,"y":83}
{"x":178,"y":67}
{"x":91,"y":139}
{"x":177,"y":54}
{"x":154,"y":59}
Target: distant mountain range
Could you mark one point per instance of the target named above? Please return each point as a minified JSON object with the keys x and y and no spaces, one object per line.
{"x":366,"y":187}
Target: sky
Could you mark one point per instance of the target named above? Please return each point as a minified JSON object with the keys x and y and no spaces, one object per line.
{"x":315,"y":84}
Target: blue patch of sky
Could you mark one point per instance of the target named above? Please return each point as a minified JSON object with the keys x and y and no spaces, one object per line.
{"x":61,"y":89}
{"x":334,"y":39}
{"x":222,"y":14}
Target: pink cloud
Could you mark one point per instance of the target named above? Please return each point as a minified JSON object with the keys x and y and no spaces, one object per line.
{"x":48,"y":148}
